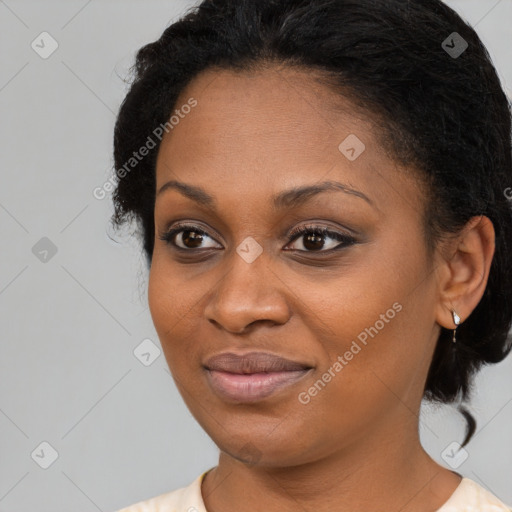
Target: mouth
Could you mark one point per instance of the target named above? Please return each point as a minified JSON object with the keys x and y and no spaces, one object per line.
{"x":253,"y":376}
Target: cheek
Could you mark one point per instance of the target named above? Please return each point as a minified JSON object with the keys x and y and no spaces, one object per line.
{"x":170,"y":306}
{"x":378,"y":326}
{"x":161,"y":295}
{"x":369,"y":375}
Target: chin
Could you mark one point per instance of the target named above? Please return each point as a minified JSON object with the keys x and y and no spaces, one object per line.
{"x":265,"y":447}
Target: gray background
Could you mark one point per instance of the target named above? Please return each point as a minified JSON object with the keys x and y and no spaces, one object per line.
{"x":69,"y":376}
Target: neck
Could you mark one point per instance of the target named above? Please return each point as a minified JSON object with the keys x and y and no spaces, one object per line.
{"x":388,"y":471}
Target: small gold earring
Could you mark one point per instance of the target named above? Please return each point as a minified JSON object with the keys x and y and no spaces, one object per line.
{"x":456,"y":321}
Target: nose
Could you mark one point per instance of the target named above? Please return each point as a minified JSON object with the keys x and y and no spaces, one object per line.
{"x":248,"y":294}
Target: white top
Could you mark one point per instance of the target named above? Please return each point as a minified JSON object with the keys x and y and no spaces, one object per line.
{"x":467,"y":497}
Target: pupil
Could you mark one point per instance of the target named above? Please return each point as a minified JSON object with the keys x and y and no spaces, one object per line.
{"x":316,"y":241}
{"x":192,"y":238}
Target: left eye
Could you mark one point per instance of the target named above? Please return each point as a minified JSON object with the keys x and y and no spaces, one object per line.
{"x":313,"y":239}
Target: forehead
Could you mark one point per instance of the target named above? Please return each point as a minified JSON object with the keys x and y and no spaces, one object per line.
{"x":282,"y":108}
{"x":273,"y":126}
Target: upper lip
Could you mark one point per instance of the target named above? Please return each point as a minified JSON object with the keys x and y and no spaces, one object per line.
{"x":252,"y":362}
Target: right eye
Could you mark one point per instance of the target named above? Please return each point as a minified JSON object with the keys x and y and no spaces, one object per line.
{"x":187,"y":237}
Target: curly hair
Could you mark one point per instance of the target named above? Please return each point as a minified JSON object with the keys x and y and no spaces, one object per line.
{"x":445,"y":115}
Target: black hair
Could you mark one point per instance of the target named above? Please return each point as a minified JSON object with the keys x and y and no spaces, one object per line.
{"x":440,"y":105}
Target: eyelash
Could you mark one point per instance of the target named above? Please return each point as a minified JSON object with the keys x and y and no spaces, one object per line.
{"x":344,"y":239}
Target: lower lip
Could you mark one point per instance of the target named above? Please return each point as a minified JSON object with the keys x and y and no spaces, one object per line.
{"x":251,"y":387}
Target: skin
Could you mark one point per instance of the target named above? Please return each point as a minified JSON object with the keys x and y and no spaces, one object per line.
{"x":355,"y":446}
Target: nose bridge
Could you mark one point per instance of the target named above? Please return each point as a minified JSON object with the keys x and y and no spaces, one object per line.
{"x":248,"y":292}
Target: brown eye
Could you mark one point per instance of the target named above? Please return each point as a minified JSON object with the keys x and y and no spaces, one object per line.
{"x":316,"y":239}
{"x":188,"y":237}
{"x":191,"y":239}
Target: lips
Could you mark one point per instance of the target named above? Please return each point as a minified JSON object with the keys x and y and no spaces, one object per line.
{"x":253,"y":362}
{"x":252,"y":377}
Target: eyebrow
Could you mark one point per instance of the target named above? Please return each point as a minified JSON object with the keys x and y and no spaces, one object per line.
{"x":287,"y":199}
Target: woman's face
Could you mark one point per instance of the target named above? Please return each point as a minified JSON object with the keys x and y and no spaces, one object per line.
{"x":353,"y":310}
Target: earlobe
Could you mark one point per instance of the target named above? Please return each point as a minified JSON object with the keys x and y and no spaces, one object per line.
{"x":465,"y":271}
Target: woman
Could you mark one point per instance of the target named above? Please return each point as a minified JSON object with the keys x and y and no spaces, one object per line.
{"x":320,"y":191}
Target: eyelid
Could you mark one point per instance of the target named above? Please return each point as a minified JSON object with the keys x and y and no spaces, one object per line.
{"x":311,"y":226}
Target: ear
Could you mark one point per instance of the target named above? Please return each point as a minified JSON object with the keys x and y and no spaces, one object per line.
{"x":463,"y":270}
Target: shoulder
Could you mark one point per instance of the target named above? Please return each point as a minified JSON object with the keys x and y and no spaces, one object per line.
{"x":185,"y":499}
{"x":470,"y":496}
